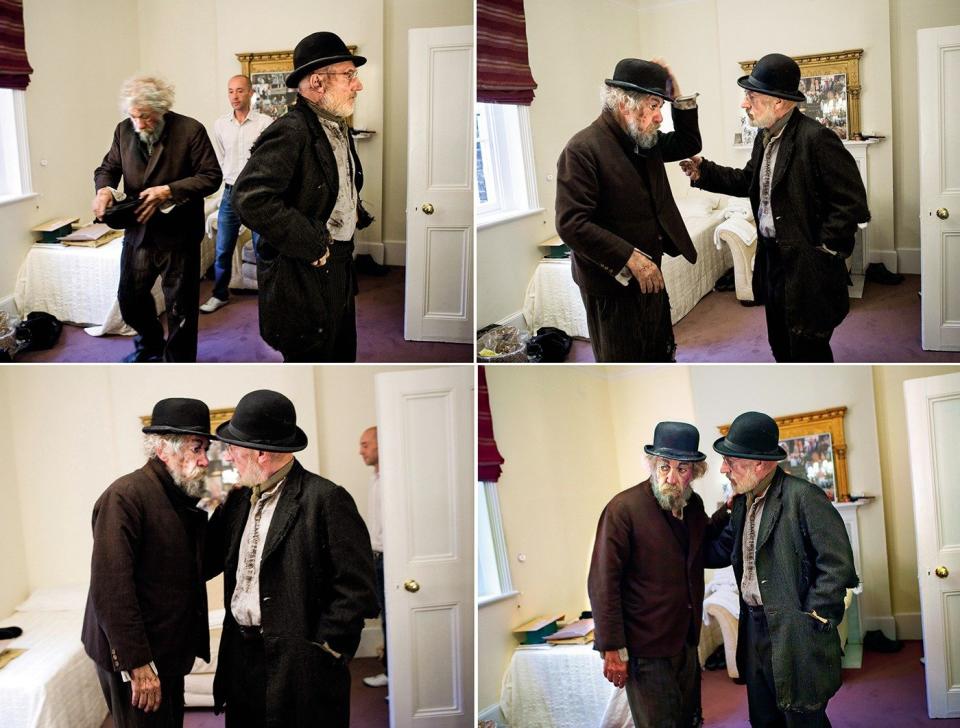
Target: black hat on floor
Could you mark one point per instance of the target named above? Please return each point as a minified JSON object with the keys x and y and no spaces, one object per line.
{"x":264,"y":420}
{"x":676,"y":441}
{"x":179,"y":416}
{"x":752,"y":436}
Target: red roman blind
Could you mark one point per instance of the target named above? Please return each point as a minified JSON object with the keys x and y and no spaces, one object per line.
{"x":503,"y":66}
{"x":489,"y":458}
{"x":14,"y":69}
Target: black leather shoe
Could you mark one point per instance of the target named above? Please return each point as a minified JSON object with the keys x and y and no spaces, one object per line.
{"x":878,"y":273}
{"x":141,"y":356}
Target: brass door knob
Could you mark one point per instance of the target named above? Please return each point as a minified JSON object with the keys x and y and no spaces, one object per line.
{"x":943,"y":213}
{"x":942,"y":571}
{"x":427,"y":208}
{"x":411,"y":586}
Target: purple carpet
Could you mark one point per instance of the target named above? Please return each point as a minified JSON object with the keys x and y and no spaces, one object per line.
{"x":883,"y":326}
{"x":232,"y":334}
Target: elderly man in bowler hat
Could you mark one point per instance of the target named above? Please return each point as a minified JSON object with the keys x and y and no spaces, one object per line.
{"x":167,"y":165}
{"x":793,"y":564}
{"x":298,"y":577}
{"x":807,"y":198}
{"x":146,"y":614}
{"x":616,"y":211}
{"x":646,"y":582}
{"x":300,"y":190}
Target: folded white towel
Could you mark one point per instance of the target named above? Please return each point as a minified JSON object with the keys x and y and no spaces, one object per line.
{"x":742,"y":228}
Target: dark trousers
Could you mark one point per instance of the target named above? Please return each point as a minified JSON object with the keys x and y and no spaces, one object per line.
{"x":337,"y":341}
{"x":787,"y":345}
{"x":381,"y":600}
{"x":761,"y":691}
{"x":228,"y":229}
{"x":664,"y":692}
{"x":630,"y":327}
{"x":179,"y":271}
{"x":117,"y":694}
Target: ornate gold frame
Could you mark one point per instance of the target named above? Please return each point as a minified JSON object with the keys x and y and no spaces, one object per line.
{"x":828,"y":64}
{"x":217,"y":418}
{"x":828,"y":421}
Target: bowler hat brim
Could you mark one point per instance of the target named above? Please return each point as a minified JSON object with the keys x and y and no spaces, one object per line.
{"x":671,"y":454}
{"x":639,"y":89}
{"x":298,"y":73}
{"x":121,"y":215}
{"x":751,"y":84}
{"x":230,"y":435}
{"x":731,"y":449}
{"x":171,"y":430}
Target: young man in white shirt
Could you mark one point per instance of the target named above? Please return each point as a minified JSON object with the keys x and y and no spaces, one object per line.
{"x":370,"y":454}
{"x":233,"y":135}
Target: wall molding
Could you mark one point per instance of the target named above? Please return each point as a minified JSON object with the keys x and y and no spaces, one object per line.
{"x":887,"y":257}
{"x":371,"y":641}
{"x":395,"y":252}
{"x":909,"y":626}
{"x":908,"y":260}
{"x":886,"y":624}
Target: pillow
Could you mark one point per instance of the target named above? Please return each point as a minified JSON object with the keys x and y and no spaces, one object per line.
{"x":56,"y":599}
{"x":699,"y":203}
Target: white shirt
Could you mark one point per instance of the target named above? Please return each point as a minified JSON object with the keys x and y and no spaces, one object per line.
{"x":232,"y":141}
{"x":245,"y":604}
{"x":374,"y":509}
{"x":342,"y":223}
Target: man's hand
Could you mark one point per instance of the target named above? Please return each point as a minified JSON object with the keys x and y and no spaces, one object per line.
{"x":320,"y":262}
{"x":646,"y":273}
{"x":101,"y":202}
{"x":673,"y":87}
{"x":146,"y":689}
{"x":614,"y":669}
{"x":152,"y":198}
{"x":691,"y":167}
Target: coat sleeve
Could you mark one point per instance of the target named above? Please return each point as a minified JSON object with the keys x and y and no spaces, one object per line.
{"x":205,"y":177}
{"x":261,"y":194}
{"x":117,"y":526}
{"x":578,"y":190}
{"x":110,"y":171}
{"x":833,"y":569}
{"x":719,"y":541}
{"x":350,"y":572}
{"x":725,"y":180}
{"x":685,"y":140}
{"x":843,"y":198}
{"x":611,"y":555}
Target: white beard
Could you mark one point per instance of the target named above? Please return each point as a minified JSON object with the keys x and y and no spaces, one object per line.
{"x":643,"y":139}
{"x":668,"y":501}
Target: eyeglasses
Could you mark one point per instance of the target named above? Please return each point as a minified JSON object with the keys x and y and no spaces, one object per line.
{"x":351,"y":75}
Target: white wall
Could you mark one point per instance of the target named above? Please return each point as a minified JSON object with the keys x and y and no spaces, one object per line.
{"x":13,"y":585}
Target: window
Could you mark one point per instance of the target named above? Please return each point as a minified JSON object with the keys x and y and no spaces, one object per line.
{"x":14,"y":155}
{"x":493,"y":568}
{"x":506,"y":176}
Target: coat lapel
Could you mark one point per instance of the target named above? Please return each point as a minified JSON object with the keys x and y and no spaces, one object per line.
{"x":771,"y":510}
{"x":235,"y":529}
{"x":785,"y":151}
{"x":286,"y":513}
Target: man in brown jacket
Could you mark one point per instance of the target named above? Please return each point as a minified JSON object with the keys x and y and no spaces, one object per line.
{"x":646,"y":582}
{"x":616,"y":212}
{"x":146,"y":615}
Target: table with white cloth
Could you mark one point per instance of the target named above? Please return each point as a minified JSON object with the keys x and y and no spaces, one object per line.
{"x":561,"y":687}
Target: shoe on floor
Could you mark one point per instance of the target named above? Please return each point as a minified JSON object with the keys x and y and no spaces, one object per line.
{"x":140,"y":356}
{"x":376,"y":681}
{"x":212,"y":304}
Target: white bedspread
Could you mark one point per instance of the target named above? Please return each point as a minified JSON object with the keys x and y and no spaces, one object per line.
{"x":53,"y":684}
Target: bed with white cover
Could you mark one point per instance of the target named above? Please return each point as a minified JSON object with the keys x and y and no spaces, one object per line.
{"x":53,"y":684}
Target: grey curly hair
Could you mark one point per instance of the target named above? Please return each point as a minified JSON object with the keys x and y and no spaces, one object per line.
{"x":172,"y":443}
{"x":146,"y":92}
{"x":613,"y":96}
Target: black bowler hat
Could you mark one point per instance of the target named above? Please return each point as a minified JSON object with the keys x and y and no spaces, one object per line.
{"x":752,"y":436}
{"x":318,"y":50}
{"x":774,"y":75}
{"x":122,"y":215}
{"x":646,"y":77}
{"x":264,"y":420}
{"x":179,"y":416}
{"x":676,"y":441}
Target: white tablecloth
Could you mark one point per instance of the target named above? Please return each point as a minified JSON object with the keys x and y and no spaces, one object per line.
{"x":76,"y":284}
{"x":561,"y":687}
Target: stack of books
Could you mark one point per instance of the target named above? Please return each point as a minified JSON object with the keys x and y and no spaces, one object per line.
{"x":575,"y":633}
{"x":91,"y":236}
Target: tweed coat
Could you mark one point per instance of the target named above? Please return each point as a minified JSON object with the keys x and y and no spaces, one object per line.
{"x":147,"y":598}
{"x":817,"y":198}
{"x":804,"y":564}
{"x":613,"y":197}
{"x":286,"y":193}
{"x":317,"y":585}
{"x":182,"y":158}
{"x":644,"y":590}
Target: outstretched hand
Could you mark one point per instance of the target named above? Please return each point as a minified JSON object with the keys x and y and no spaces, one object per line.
{"x":673,"y":87}
{"x":691,"y":167}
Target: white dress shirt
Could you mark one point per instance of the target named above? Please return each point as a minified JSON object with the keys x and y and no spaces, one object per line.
{"x":232,"y":141}
{"x":375,"y":511}
{"x":245,"y":604}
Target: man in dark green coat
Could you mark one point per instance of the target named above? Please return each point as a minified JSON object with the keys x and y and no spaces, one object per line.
{"x":793,"y":564}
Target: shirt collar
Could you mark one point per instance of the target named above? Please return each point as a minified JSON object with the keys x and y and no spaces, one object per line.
{"x":763,"y":487}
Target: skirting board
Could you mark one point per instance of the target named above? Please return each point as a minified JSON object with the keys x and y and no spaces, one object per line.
{"x":371,"y":641}
{"x":888,"y":258}
{"x":887,"y":625}
{"x":372,"y":247}
{"x":395,"y":252}
{"x":491,"y":713}
{"x":909,"y":626}
{"x":909,"y":260}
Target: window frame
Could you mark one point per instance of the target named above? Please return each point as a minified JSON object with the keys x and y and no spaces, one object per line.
{"x":16,"y":182}
{"x":501,"y":558}
{"x":509,"y":168}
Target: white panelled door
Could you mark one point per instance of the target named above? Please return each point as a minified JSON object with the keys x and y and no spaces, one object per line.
{"x":933,"y":424}
{"x":938,"y":71}
{"x":439,"y":295}
{"x":425,"y":436}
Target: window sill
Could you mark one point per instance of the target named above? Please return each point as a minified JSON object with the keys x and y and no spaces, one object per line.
{"x":486,"y":601}
{"x":11,"y":199}
{"x":492,"y":220}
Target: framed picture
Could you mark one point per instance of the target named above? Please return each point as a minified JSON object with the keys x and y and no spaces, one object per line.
{"x":267,"y":73}
{"x":831,"y":84}
{"x":816,"y":449}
